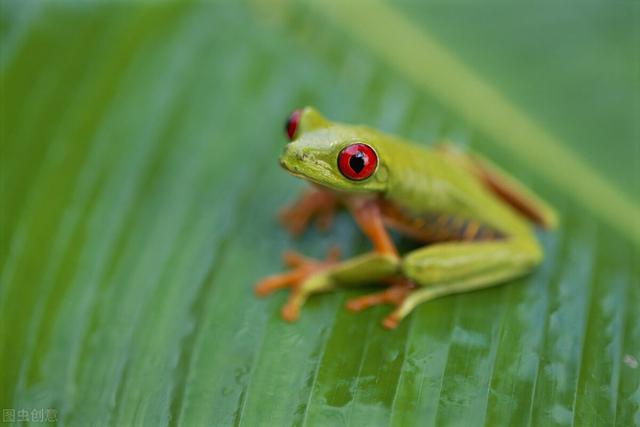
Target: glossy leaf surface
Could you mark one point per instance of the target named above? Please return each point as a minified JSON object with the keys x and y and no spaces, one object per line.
{"x":139,"y":185}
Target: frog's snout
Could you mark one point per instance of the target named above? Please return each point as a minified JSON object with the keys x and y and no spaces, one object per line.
{"x":284,"y":164}
{"x":290,"y":156}
{"x":294,"y":156}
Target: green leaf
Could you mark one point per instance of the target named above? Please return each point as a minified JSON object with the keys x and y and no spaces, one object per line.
{"x":139,"y":184}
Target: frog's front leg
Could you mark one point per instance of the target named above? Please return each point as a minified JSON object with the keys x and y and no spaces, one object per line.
{"x":313,"y":202}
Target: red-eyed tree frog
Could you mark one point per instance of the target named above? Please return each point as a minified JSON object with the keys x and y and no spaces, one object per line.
{"x":473,"y":218}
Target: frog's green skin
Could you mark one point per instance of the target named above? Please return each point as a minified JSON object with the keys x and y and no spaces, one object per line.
{"x":418,"y":181}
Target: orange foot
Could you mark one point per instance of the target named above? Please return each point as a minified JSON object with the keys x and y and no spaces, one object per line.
{"x":302,"y":267}
{"x":395,"y":294}
{"x":321,"y":204}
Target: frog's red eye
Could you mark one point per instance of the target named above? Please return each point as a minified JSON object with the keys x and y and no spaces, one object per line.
{"x":291,"y":125}
{"x":357,"y":161}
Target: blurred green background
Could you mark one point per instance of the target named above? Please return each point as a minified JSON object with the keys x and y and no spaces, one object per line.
{"x":139,"y":184}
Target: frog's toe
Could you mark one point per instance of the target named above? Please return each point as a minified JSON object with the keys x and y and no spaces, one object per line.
{"x":395,"y":294}
{"x":291,"y":310}
{"x":278,"y":281}
{"x":391,"y":321}
{"x":298,"y":280}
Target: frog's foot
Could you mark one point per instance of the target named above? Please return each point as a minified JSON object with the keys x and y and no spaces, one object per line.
{"x":312,"y":203}
{"x":395,"y":294}
{"x":300,"y":280}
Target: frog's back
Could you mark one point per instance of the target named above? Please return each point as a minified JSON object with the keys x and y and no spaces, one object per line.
{"x":428,"y":185}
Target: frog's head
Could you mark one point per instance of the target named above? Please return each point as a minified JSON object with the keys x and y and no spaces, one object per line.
{"x":337,"y":156}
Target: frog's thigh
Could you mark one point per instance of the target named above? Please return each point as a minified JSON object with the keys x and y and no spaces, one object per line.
{"x":452,"y":268}
{"x":454,"y":261}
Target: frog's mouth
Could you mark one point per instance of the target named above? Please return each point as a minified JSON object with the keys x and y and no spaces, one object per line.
{"x":301,"y":172}
{"x":289,"y":161}
{"x":290,"y":169}
{"x":306,"y":166}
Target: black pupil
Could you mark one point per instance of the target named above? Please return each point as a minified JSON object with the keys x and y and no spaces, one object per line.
{"x":356,"y":162}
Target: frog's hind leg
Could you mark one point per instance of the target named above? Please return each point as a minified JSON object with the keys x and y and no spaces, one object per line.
{"x":309,"y":276}
{"x":504,"y":186}
{"x":434,"y":291}
{"x":301,"y":268}
{"x":451,"y":268}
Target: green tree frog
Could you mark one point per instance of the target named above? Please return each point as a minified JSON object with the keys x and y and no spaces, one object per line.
{"x":473,"y":219}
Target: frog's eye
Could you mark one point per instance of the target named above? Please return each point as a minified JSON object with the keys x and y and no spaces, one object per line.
{"x":291,"y":125}
{"x":357,"y":161}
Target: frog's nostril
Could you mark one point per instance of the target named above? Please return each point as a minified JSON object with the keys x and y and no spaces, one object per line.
{"x":304,"y":156}
{"x":291,"y":156}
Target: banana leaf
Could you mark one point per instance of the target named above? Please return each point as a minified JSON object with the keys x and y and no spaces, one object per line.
{"x":139,"y":184}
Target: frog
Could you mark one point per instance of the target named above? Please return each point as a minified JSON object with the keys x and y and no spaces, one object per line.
{"x":473,"y":224}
